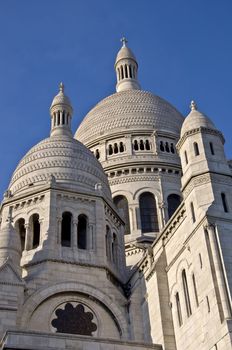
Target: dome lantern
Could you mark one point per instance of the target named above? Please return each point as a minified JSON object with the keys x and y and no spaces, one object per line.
{"x":61,"y":114}
{"x":126,"y":68}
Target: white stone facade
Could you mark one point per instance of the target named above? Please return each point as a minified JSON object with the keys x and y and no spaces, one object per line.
{"x":125,"y":247}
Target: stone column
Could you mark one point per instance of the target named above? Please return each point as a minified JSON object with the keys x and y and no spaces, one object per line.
{"x":162,"y":207}
{"x":211,"y":228}
{"x":90,"y":239}
{"x":74,"y":234}
{"x":59,"y":221}
{"x":28,"y":237}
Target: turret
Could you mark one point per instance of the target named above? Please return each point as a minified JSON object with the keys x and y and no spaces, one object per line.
{"x":126,"y":68}
{"x":201,"y":146}
{"x":61,"y":114}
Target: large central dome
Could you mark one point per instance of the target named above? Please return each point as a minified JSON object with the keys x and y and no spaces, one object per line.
{"x":130,"y":110}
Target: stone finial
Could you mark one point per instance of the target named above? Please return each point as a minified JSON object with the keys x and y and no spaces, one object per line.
{"x":61,"y":86}
{"x":124,"y":41}
{"x":193,"y":106}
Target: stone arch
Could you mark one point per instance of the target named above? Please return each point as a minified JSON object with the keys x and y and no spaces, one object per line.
{"x":155,"y":192}
{"x":36,"y":299}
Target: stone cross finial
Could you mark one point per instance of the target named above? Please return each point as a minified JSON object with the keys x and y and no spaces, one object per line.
{"x":61,"y":87}
{"x":124,"y":41}
{"x":193,"y":106}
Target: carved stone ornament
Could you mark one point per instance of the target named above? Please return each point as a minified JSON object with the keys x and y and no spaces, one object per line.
{"x":74,"y":320}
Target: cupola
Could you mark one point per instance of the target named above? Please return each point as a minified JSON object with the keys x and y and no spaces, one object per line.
{"x":126,"y":68}
{"x":61,"y":114}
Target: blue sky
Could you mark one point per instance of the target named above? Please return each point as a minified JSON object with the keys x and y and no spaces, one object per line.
{"x":183,"y":47}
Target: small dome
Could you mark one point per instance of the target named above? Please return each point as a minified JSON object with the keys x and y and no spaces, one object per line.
{"x":196,"y":119}
{"x":124,"y":53}
{"x":61,"y":159}
{"x":61,"y":98}
{"x":135,"y":110}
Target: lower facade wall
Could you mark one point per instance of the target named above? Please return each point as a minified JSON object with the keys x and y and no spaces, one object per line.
{"x":38,"y":341}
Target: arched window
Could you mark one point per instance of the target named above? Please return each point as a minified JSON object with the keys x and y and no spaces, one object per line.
{"x":136,"y":146}
{"x":211,"y":148}
{"x":82,"y":232}
{"x":122,"y":205}
{"x":167,"y":147}
{"x":122,"y":73}
{"x":115,"y":249}
{"x":63,"y":118}
{"x":141,"y":145}
{"x":20,"y":227}
{"x":66,"y":228}
{"x":172,"y":148}
{"x":224,"y":202}
{"x":173,"y":203}
{"x":121,"y":147}
{"x":130,"y":72}
{"x":162,"y":146}
{"x":35,"y":230}
{"x":147,"y":145}
{"x":97,"y":154}
{"x":178,"y":309}
{"x":115,"y":148}
{"x":196,"y":149}
{"x":110,"y":150}
{"x":108,"y":249}
{"x":186,"y":157}
{"x":195,"y":289}
{"x":126,"y":73}
{"x":192,"y":212}
{"x":148,"y":213}
{"x":186,"y":294}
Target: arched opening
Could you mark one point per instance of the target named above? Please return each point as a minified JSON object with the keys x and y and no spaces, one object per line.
{"x":178,"y":308}
{"x":20,"y":228}
{"x":122,"y":205}
{"x":136,"y":146}
{"x":147,"y":145}
{"x":63,"y":118}
{"x":186,"y":157}
{"x":148,"y":213}
{"x":115,"y":249}
{"x":121,"y":147}
{"x":122,"y":73}
{"x":82,"y":232}
{"x":173,"y":203}
{"x":172,"y":148}
{"x":186,"y":293}
{"x":192,"y":212}
{"x":126,"y":73}
{"x":115,"y":148}
{"x":141,"y":145}
{"x":35,"y":231}
{"x":110,"y":150}
{"x":211,"y":148}
{"x":108,"y":250}
{"x":97,"y":154}
{"x":167,"y":147}
{"x":66,"y":228}
{"x":161,"y":146}
{"x":196,"y":149}
{"x":224,"y":202}
{"x":130,"y":72}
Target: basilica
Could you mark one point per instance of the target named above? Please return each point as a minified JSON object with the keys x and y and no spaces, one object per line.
{"x":119,"y":237}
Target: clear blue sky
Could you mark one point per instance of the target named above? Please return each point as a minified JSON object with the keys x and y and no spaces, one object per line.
{"x":184,"y":50}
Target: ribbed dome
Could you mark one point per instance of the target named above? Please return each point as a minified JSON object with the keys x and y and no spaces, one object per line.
{"x":194,"y":120}
{"x":129,"y":110}
{"x":61,"y":98}
{"x":70,"y":162}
